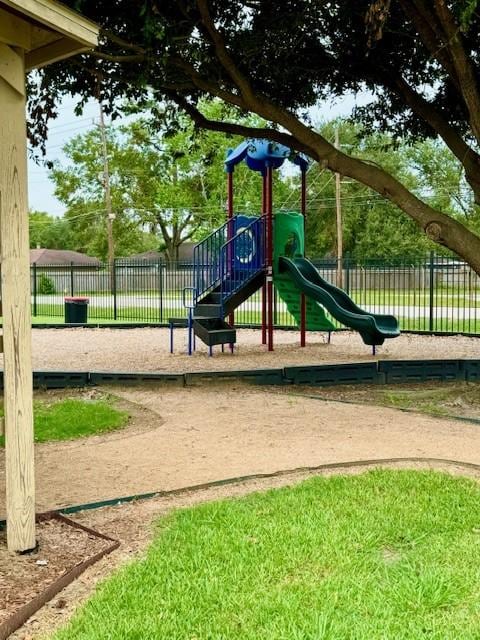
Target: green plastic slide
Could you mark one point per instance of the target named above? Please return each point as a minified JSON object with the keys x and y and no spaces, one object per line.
{"x":374,"y":328}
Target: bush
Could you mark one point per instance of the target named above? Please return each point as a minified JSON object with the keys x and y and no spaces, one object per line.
{"x":45,"y":285}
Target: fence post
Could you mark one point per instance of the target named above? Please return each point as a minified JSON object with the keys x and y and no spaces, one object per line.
{"x":432,"y":276}
{"x":114,"y":287}
{"x":71,"y":279}
{"x":34,"y":288}
{"x":347,"y":273}
{"x":160,"y":288}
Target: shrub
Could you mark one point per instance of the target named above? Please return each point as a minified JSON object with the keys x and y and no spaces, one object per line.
{"x":45,"y":285}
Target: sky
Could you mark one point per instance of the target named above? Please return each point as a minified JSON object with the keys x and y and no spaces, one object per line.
{"x":68,"y":125}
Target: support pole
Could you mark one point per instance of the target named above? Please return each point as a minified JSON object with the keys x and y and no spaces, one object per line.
{"x":338,"y":201}
{"x":269,"y":258}
{"x":231,"y":316}
{"x":108,"y":197}
{"x":15,"y":286}
{"x":264,"y":286}
{"x":303,"y":301}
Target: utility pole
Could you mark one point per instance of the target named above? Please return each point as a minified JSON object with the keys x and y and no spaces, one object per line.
{"x":338,"y":201}
{"x":108,"y":198}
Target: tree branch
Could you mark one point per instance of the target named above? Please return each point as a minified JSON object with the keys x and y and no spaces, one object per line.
{"x":454,"y":141}
{"x":236,"y":129}
{"x":201,"y":83}
{"x":189,"y":235}
{"x":183,"y":225}
{"x":163,"y":228}
{"x":136,"y":57}
{"x":431,"y":34}
{"x":462,"y":64}
{"x":222,"y":52}
{"x":125,"y":44}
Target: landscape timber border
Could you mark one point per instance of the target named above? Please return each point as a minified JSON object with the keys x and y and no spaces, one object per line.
{"x":21,"y":615}
{"x":351,"y":373}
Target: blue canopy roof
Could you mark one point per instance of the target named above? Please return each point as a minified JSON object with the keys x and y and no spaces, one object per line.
{"x":260,"y":154}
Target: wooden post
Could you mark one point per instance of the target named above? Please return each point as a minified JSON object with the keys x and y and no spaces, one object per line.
{"x":15,"y":285}
{"x":33,"y":33}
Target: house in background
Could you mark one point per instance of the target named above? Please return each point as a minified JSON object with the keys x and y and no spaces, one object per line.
{"x":62,"y":272}
{"x":146,"y":256}
{"x":61,"y":258}
{"x":185,"y":254}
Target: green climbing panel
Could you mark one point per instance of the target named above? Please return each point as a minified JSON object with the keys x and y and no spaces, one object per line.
{"x":316,"y":318}
{"x":289,"y":242}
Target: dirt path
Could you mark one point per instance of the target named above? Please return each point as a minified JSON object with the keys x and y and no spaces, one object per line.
{"x":215,"y":432}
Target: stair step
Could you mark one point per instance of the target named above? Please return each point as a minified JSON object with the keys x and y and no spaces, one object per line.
{"x":214,"y":331}
{"x":208,"y":310}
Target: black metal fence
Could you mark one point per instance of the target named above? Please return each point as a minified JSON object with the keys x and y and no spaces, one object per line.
{"x":433,"y":293}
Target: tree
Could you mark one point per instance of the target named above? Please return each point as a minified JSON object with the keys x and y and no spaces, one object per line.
{"x":78,"y":184}
{"x":418,"y":59}
{"x":373,"y":228}
{"x":49,"y":232}
{"x":185,"y":197}
{"x":172,"y":184}
{"x":441,"y":177}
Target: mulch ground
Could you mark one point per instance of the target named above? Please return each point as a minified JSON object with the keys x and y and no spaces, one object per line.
{"x":61,"y":547}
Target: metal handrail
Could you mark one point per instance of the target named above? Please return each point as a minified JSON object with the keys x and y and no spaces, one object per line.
{"x":206,"y":259}
{"x":233,"y":277}
{"x":194,"y":297}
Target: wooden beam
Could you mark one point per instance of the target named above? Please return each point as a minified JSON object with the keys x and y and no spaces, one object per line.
{"x":13,"y":32}
{"x":52,"y":52}
{"x":58,"y":18}
{"x":11,"y":68}
{"x":15,"y":286}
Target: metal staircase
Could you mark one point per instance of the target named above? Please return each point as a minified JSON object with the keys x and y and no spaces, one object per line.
{"x":228,"y":269}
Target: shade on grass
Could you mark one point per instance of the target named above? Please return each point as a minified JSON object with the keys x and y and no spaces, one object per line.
{"x":73,"y":418}
{"x":385,"y":555}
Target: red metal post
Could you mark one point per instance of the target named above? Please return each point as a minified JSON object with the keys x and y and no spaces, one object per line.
{"x":231,"y":317}
{"x":269,"y":258}
{"x":264,"y":287}
{"x":303,"y":301}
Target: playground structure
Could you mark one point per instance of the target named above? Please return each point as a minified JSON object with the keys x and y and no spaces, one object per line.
{"x":249,"y":253}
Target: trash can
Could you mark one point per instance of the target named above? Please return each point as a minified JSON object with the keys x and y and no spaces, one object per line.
{"x":76,"y":310}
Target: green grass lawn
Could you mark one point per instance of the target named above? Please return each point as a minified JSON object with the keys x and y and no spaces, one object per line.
{"x":284,"y":319}
{"x":150,"y":313}
{"x":72,"y":418}
{"x":401,"y":297}
{"x":46,"y":319}
{"x":386,"y":555}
